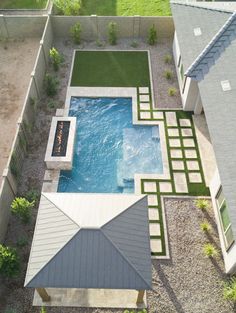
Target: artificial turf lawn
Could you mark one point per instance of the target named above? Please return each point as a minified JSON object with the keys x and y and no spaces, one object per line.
{"x":126,"y":7}
{"x":111,"y":69}
{"x":23,"y":4}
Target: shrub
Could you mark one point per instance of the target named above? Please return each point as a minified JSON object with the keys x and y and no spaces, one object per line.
{"x":205,"y":227}
{"x":68,"y":7}
{"x":56,"y":58}
{"x":202,"y":204}
{"x":52,"y":104}
{"x":32,"y":195}
{"x":168,"y":59}
{"x":9,"y":261}
{"x":172,"y":91}
{"x":152,"y":36}
{"x":134,"y":44}
{"x":21,"y":207}
{"x":230,"y":290}
{"x":50,"y":84}
{"x":21,"y":242}
{"x":209,"y":250}
{"x":43,"y":310}
{"x":112,"y":36}
{"x":168,"y":74}
{"x":10,"y":310}
{"x":76,"y":32}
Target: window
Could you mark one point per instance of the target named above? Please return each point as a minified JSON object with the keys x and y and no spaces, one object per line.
{"x":182,"y":71}
{"x":224,"y":219}
{"x":179,"y":61}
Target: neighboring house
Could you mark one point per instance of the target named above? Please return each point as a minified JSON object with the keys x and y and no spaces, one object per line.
{"x":205,"y":56}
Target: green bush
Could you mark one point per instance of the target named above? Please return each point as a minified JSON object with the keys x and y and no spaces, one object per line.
{"x":21,"y":242}
{"x":52,"y":104}
{"x":9,"y":261}
{"x":172,"y":91}
{"x":43,"y":310}
{"x":21,"y":207}
{"x":205,"y":227}
{"x":202,"y":204}
{"x":168,"y":74}
{"x":50,"y":84}
{"x":55,"y":58}
{"x":168,"y":59}
{"x":152,"y":36}
{"x":32,"y":195}
{"x":10,"y":310}
{"x":68,"y":7}
{"x":112,"y":30}
{"x":230,"y":290}
{"x":75,"y":32}
{"x":209,"y":250}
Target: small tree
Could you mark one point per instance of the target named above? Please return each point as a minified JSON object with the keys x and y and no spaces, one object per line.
{"x":75,"y":32}
{"x":209,"y":250}
{"x":202,"y":204}
{"x":9,"y":261}
{"x":50,"y":84}
{"x":168,"y":74}
{"x":205,"y":227}
{"x":68,"y":7}
{"x":56,"y":58}
{"x":21,"y":207}
{"x":152,"y":36}
{"x":112,"y":30}
{"x":230,"y":290}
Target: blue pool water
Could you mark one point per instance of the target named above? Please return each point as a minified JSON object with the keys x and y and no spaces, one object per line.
{"x":109,"y":149}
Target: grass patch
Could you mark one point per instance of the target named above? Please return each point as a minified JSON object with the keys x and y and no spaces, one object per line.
{"x":111,"y":69}
{"x":23,"y":4}
{"x":126,"y":7}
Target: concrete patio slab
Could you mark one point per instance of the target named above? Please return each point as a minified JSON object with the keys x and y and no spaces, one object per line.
{"x":174,"y":143}
{"x":180,"y":182}
{"x":176,"y":154}
{"x":156,"y":245}
{"x":155,"y":229}
{"x":144,"y":106}
{"x":165,"y":187}
{"x":192,"y":165}
{"x":171,"y":119}
{"x":153,"y":214}
{"x":90,"y":298}
{"x":188,"y":143}
{"x":152,"y":200}
{"x":195,"y":177}
{"x":186,"y":132}
{"x":173,"y":132}
{"x":158,"y":115}
{"x":185,"y":122}
{"x":150,"y":187}
{"x":145,"y":115}
{"x":144,"y":98}
{"x":190,"y":153}
{"x":177,"y":165}
{"x":143,"y":90}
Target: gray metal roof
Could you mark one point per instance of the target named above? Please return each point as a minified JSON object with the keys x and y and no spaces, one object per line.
{"x":114,"y":253}
{"x":213,"y":50}
{"x":220,"y":112}
{"x":186,"y":19}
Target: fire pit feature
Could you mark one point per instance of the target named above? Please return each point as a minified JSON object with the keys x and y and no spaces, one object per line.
{"x":59,"y":154}
{"x":61,"y":137}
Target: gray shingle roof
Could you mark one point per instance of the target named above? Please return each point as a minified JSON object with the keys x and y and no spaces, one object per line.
{"x":114,"y":253}
{"x":186,"y":18}
{"x":213,"y":50}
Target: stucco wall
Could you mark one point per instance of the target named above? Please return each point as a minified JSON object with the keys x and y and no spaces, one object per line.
{"x":230,"y":255}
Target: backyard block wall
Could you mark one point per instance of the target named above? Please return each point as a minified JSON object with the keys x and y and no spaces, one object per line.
{"x":95,"y":27}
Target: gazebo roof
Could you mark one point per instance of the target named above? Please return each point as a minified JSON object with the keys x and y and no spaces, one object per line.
{"x":91,"y":241}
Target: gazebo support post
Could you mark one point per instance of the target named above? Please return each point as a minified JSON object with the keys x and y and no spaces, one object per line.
{"x":140,"y":296}
{"x":43,"y":294}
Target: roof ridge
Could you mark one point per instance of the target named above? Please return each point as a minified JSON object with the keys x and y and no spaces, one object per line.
{"x":198,"y":6}
{"x":193,"y":67}
{"x":127,"y":260}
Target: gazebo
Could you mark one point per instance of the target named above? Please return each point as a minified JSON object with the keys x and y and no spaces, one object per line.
{"x":90,"y":241}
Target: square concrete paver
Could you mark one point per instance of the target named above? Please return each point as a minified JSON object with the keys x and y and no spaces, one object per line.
{"x":152,"y":200}
{"x":190,"y":153}
{"x":174,"y":143}
{"x":156,"y":246}
{"x":195,"y":177}
{"x":185,"y":122}
{"x":145,"y":115}
{"x":188,"y":143}
{"x":155,"y":229}
{"x":180,"y":182}
{"x":158,"y":115}
{"x":186,"y":132}
{"x":165,"y":187}
{"x":173,"y":132}
{"x":144,"y":106}
{"x":150,"y":187}
{"x":176,"y":154}
{"x":171,"y":119}
{"x":177,"y":165}
{"x":143,"y":90}
{"x":153,"y":214}
{"x":192,"y":165}
{"x":144,"y":98}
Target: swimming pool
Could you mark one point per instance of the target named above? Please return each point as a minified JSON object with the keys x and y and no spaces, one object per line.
{"x":109,"y":149}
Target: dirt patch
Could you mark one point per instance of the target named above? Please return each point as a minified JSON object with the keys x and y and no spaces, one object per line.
{"x":16,"y":64}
